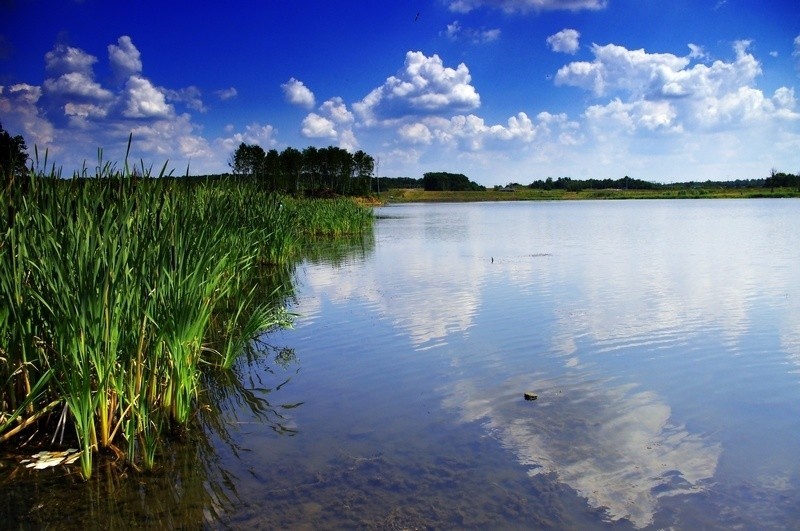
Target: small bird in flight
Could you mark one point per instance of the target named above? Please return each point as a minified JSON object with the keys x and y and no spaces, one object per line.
{"x":417,"y":17}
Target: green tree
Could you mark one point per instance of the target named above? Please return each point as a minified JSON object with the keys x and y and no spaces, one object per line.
{"x":781,"y":179}
{"x":443,"y":181}
{"x":337,"y":167}
{"x":315,"y":171}
{"x":248,"y":160}
{"x":13,"y":183}
{"x":292,"y":166}
{"x":363,"y":168}
{"x":13,"y":156}
{"x":312,"y":169}
{"x":272,"y":170}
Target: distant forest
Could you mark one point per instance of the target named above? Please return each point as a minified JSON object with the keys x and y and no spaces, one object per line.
{"x":775,"y":180}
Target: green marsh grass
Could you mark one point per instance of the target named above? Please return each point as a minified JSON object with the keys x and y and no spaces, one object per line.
{"x":330,"y":217}
{"x":119,"y":290}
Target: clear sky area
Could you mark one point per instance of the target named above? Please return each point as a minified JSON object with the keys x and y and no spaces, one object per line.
{"x":500,"y":90}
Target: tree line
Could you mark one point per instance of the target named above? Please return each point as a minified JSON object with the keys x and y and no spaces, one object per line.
{"x":576,"y":185}
{"x":778,"y":179}
{"x":775,"y":180}
{"x":313,"y":171}
{"x":443,"y":181}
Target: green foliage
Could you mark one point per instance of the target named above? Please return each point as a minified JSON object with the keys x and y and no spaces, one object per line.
{"x":13,"y":156}
{"x":382,"y":184}
{"x":329,"y":217}
{"x":454,"y":182}
{"x":775,"y":180}
{"x":781,"y":180}
{"x":576,"y":185}
{"x":248,"y":160}
{"x":117,"y":291}
{"x":315,"y":172}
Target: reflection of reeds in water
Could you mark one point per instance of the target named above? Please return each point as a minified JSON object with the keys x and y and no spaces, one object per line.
{"x":191,"y":484}
{"x":339,"y":250}
{"x":242,"y":389}
{"x":117,"y":290}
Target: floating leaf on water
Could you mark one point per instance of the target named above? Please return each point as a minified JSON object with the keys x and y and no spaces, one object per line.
{"x":47,"y":463}
{"x":47,"y":459}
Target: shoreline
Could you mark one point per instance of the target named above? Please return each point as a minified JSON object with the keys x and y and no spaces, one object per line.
{"x":418,"y":195}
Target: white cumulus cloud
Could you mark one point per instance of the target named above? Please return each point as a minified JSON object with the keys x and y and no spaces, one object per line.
{"x":617,"y":68}
{"x":316,"y":126}
{"x":77,"y":85}
{"x":20,"y":110}
{"x":471,"y":133}
{"x":255,"y":133}
{"x":424,"y":86}
{"x":143,"y":100}
{"x":417,"y":133}
{"x":65,"y":59}
{"x":297,"y":93}
{"x":125,"y":58}
{"x":667,"y":92}
{"x":169,"y":138}
{"x":630,"y":116}
{"x":72,"y":114}
{"x":333,"y":122}
{"x":565,"y":41}
{"x":337,"y":110}
{"x":73,"y":71}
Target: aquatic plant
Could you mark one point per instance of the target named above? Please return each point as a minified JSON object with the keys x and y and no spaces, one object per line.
{"x":330,"y":217}
{"x":118,"y":290}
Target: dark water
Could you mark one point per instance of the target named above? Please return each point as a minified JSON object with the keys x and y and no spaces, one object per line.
{"x":661,"y":337}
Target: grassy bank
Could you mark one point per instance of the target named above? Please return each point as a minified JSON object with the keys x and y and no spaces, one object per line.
{"x":117,"y":291}
{"x":409,"y":195}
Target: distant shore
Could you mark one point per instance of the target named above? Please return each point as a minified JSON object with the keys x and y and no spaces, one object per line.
{"x":417,"y":195}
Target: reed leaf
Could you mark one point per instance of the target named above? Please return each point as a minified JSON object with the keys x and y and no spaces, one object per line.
{"x":115,"y":288}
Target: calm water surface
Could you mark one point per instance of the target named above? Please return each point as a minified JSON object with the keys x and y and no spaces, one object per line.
{"x":662,"y":339}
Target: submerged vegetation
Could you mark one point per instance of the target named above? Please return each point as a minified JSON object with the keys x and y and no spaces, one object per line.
{"x":117,"y":292}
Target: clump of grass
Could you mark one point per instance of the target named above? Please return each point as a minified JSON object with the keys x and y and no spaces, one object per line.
{"x":117,"y":291}
{"x":331,"y":217}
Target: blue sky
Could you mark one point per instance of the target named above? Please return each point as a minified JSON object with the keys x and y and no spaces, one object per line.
{"x":500,"y":90}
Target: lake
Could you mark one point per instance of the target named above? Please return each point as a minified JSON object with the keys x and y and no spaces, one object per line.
{"x":662,"y":339}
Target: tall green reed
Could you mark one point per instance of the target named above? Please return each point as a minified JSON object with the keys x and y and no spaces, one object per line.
{"x":330,"y":217}
{"x":118,"y":290}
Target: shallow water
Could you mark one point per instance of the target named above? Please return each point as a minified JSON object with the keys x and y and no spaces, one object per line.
{"x":661,"y":337}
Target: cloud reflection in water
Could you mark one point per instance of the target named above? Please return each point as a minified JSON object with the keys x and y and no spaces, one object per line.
{"x":645,"y":316}
{"x":613,"y":444}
